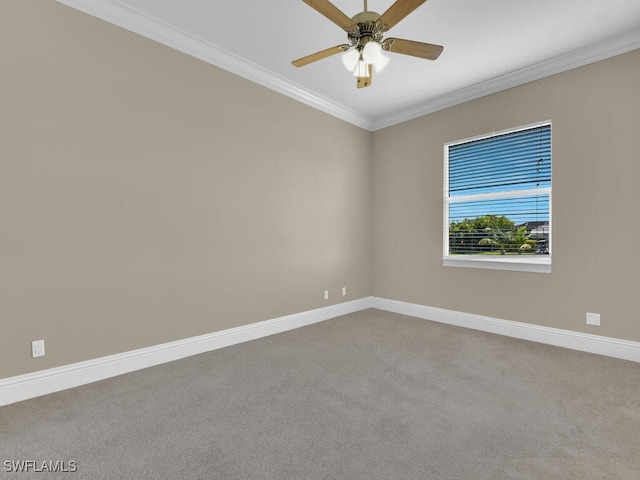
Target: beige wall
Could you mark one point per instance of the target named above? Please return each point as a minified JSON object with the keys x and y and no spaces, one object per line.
{"x":595,"y":112}
{"x":146,"y":196}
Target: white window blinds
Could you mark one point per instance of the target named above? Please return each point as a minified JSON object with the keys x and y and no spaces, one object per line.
{"x":498,"y":194}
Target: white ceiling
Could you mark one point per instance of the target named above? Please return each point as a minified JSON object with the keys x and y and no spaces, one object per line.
{"x":489,"y":45}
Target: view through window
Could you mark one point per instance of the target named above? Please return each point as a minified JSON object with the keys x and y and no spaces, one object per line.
{"x":498,"y":197}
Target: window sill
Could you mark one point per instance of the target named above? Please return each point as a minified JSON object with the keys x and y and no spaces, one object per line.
{"x":515,"y":263}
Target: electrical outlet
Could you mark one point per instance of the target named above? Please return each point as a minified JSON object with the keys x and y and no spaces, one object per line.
{"x":593,"y":319}
{"x":326,"y":294}
{"x":37,"y":348}
{"x":344,"y":291}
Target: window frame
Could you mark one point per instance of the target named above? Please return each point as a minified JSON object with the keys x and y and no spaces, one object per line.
{"x":521,"y":263}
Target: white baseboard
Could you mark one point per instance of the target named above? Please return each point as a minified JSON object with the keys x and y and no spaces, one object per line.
{"x":23,"y":387}
{"x":584,"y":342}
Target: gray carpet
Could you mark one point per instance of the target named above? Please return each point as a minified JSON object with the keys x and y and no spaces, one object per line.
{"x":371,"y":395}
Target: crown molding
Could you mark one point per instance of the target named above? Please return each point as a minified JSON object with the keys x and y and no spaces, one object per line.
{"x":123,"y":16}
{"x":577,"y":58}
{"x":130,"y":19}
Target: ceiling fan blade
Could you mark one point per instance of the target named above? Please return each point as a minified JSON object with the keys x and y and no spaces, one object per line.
{"x":314,"y":57}
{"x":362,"y":82}
{"x":410,"y":47}
{"x":398,"y":11}
{"x":333,"y":13}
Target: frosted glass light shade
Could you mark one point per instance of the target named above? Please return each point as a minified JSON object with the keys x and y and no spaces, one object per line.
{"x":372,"y":53}
{"x":350,"y":59}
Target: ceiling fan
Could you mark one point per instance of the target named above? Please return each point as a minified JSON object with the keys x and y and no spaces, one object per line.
{"x":365,"y":33}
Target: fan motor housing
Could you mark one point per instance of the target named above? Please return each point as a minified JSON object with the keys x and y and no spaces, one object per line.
{"x":367,"y":28}
{"x":365,"y":17}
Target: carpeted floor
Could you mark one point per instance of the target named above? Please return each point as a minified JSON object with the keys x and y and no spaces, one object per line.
{"x":371,"y":395}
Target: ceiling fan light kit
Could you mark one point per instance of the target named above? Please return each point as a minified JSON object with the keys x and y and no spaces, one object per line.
{"x":365,"y":34}
{"x":355,"y":61}
{"x":372,"y":53}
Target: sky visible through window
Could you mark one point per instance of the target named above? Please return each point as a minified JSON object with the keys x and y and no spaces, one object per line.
{"x":514,"y":162}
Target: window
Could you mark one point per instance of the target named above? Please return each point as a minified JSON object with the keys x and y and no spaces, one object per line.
{"x":497,"y":200}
